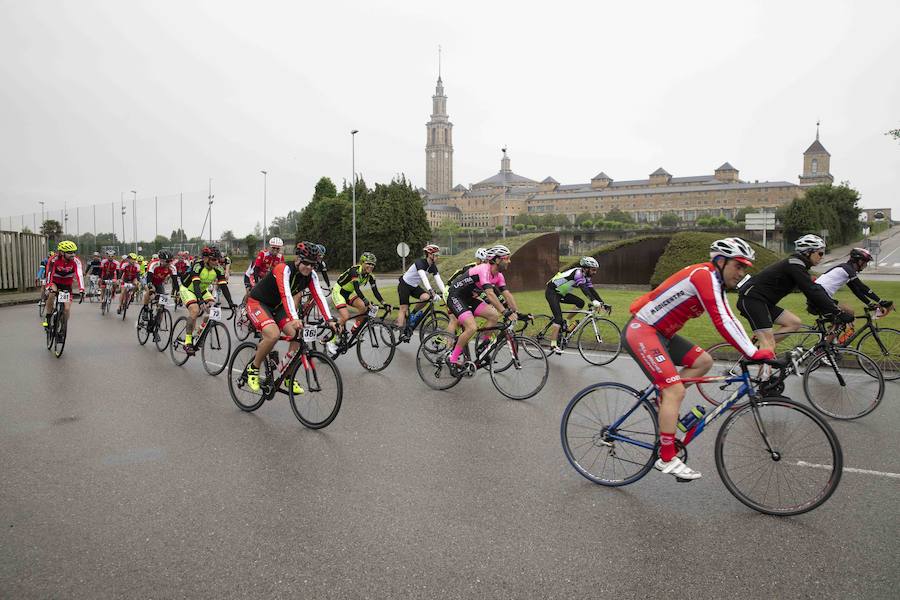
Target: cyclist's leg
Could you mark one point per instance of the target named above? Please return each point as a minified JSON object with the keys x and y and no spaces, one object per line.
{"x":51,"y":302}
{"x":759,"y":314}
{"x":403,"y":292}
{"x":490,"y":316}
{"x":357,"y":303}
{"x":466,"y":318}
{"x":193,"y":310}
{"x":67,"y":308}
{"x":555,"y":310}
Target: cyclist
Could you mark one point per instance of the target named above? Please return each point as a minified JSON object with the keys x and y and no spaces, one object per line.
{"x":157,"y":272}
{"x":650,"y":337}
{"x":264,"y":262}
{"x":559,"y":290}
{"x":480,"y":257}
{"x":416,"y":275}
{"x":42,"y":271}
{"x":109,"y":268}
{"x":848,"y":274}
{"x":93,"y":271}
{"x":62,"y":271}
{"x":465,"y":302}
{"x":321,"y":267}
{"x":759,"y":296}
{"x":346,"y":290}
{"x":195,"y":288}
{"x":182,"y":263}
{"x":128,"y":278}
{"x":272,"y":306}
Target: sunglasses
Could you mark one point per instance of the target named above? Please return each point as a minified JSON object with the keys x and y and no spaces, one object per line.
{"x":307,"y":263}
{"x":820,"y":253}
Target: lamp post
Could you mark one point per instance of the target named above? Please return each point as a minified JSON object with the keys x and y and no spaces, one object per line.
{"x":134,"y":218}
{"x":41,"y":202}
{"x":265,"y":229}
{"x":210,"y":198}
{"x":353,"y":133}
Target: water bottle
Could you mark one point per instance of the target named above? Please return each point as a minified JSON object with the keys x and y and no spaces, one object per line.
{"x":690,"y":419}
{"x":287,"y":360}
{"x":414,"y":318}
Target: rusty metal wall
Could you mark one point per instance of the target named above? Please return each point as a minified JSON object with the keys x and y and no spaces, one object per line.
{"x":631,"y":264}
{"x":20,"y":255}
{"x":534,"y":264}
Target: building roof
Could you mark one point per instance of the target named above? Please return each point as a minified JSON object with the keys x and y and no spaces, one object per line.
{"x":441,"y":207}
{"x":550,"y":180}
{"x":611,"y":193}
{"x":660,"y":171}
{"x":726,"y":167}
{"x":459,"y":188}
{"x":816,"y":148}
{"x":601,"y":175}
{"x":505,"y":179}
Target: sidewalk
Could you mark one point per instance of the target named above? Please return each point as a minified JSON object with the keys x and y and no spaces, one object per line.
{"x":13,"y":298}
{"x":835,"y":256}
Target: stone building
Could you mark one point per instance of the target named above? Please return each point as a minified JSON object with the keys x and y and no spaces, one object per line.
{"x":498,"y":199}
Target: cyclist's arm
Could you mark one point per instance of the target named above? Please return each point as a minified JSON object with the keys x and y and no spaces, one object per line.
{"x":711,"y":295}
{"x":587,"y":287}
{"x":865,"y":294}
{"x":358,"y":290}
{"x":79,"y":275}
{"x":375,"y":291}
{"x":492,"y":299}
{"x":814,"y":292}
{"x":317,"y":296}
{"x":439,"y":284}
{"x":510,"y":301}
{"x":282,"y":274}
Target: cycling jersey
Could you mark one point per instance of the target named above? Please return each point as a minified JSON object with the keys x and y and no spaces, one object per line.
{"x":64,"y":272}
{"x":846,"y":274}
{"x":417,"y":274}
{"x":203,"y":276}
{"x":181,"y":265}
{"x":476,"y":280}
{"x":350,"y":282}
{"x":459,"y":272}
{"x":128,"y":272}
{"x":263,"y":263}
{"x":686,"y":295}
{"x":94,"y":267}
{"x":564,"y":281}
{"x":157,"y":273}
{"x":108,"y":268}
{"x":278,"y":288}
{"x":779,"y":279}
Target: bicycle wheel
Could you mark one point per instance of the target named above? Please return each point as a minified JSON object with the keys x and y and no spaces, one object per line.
{"x":431,"y":361}
{"x":216,"y":348}
{"x":805,"y":338}
{"x":800,"y":473}
{"x":143,"y":325}
{"x":242,"y":325}
{"x":163,"y":330}
{"x":843,"y":383}
{"x":41,"y":308}
{"x":371,"y":350}
{"x":537,"y":330}
{"x":59,"y":338}
{"x":604,"y":454}
{"x":599,"y":341}
{"x":176,"y":346}
{"x":126,"y":305}
{"x":104,"y":304}
{"x":725,"y":363}
{"x":524,"y":368}
{"x":50,"y":330}
{"x":323,"y":390}
{"x":886,"y":354}
{"x":246,"y":399}
{"x":436,"y":321}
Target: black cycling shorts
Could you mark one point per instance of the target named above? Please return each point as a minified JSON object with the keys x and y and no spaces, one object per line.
{"x":406,"y":291}
{"x":761,"y":314}
{"x":460,"y":306}
{"x":554,"y":300}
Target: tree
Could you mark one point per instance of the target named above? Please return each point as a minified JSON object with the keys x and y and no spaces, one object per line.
{"x":325,"y":188}
{"x":619,"y":216}
{"x":581,"y":218}
{"x":26,"y":229}
{"x":741,"y":214}
{"x":519,"y":227}
{"x":389,"y":214}
{"x":53,"y":230}
{"x":587,"y":224}
{"x":669,"y":220}
{"x":160,"y":242}
{"x":823,"y":207}
{"x":257,"y":230}
{"x":252,"y":242}
{"x":894,"y":133}
{"x":228,"y":236}
{"x":178,"y":236}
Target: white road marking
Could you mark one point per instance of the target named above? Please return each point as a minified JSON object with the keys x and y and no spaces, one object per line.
{"x":801,"y":463}
{"x":884,"y":258}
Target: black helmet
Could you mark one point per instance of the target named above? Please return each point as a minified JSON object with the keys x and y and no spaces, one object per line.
{"x":165,"y":255}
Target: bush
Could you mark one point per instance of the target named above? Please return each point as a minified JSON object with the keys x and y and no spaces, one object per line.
{"x":519,"y":227}
{"x":587,"y":224}
{"x":690,"y":248}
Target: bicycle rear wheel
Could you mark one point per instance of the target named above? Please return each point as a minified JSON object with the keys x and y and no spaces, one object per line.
{"x":242,"y":325}
{"x":886,"y":354}
{"x":725,"y":363}
{"x":432,"y":361}
{"x":800,"y":473}
{"x":59,"y":338}
{"x":537,"y":330}
{"x":607,"y":455}
{"x":176,"y":347}
{"x":246,"y":399}
{"x":372,"y":351}
{"x":524,"y":368}
{"x":143,"y":325}
{"x":599,"y":341}
{"x":216,"y":348}
{"x":843,"y":383}
{"x":323,"y":390}
{"x":41,"y":308}
{"x":163,"y":330}
{"x":436,"y":321}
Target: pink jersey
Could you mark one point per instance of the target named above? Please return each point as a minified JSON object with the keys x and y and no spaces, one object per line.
{"x":65,"y":272}
{"x":476,"y":280}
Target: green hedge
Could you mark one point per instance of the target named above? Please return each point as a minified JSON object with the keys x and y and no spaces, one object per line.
{"x":613,"y":246}
{"x":691,"y":248}
{"x":449,"y":264}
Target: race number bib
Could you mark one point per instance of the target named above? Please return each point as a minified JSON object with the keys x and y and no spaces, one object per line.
{"x":309,"y":334}
{"x":215,"y":313}
{"x":373,"y":310}
{"x":63,"y":297}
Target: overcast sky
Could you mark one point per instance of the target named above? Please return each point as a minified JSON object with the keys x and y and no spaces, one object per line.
{"x":99,"y":98}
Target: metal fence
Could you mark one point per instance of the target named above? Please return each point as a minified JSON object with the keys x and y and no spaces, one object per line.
{"x":20,"y":257}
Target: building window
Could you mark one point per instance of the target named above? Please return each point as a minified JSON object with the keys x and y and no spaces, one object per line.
{"x":815,"y":166}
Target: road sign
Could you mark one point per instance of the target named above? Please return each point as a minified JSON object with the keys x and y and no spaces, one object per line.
{"x":759,"y":221}
{"x":402,"y":249}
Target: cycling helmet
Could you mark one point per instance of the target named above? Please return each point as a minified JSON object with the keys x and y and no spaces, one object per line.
{"x":276,"y":241}
{"x":733,"y":248}
{"x":481,"y":254}
{"x":321,"y":250}
{"x":861,"y":254}
{"x":110,"y":253}
{"x":367,"y":257}
{"x":124,"y":257}
{"x":209,"y":251}
{"x":155,"y":255}
{"x":307,"y":252}
{"x":498,"y":251}
{"x":96,"y":253}
{"x":67,"y":246}
{"x":809,"y":242}
{"x":589,"y":262}
{"x":132,"y":256}
{"x":164,"y":255}
{"x":431,"y":249}
{"x":141,"y":257}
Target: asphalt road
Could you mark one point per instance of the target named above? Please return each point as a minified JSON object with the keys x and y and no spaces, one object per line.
{"x":125,"y":476}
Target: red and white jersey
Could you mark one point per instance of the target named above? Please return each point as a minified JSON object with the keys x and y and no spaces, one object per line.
{"x":157,"y":273}
{"x":108,"y":268}
{"x":265,"y":262}
{"x":64,"y":272}
{"x":181,"y":265}
{"x":686,"y":295}
{"x":128,"y":271}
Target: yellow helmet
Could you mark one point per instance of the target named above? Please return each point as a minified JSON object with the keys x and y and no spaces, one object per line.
{"x":132,"y":256}
{"x":67,"y":246}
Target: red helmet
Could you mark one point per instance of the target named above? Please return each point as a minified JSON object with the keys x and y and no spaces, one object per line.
{"x":431,"y":249}
{"x":861,"y":254}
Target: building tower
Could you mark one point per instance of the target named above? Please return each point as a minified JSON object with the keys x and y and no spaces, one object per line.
{"x":816,"y":164}
{"x":439,"y":144}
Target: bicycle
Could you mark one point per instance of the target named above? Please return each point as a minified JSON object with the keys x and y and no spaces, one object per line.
{"x":373,"y":339}
{"x":93,"y":289}
{"x":58,"y":323}
{"x":516,"y":363}
{"x":426,"y":319}
{"x":243,"y":327}
{"x":212,"y":339}
{"x":840,"y":382}
{"x":128,"y":290}
{"x":599,"y":340}
{"x":42,"y":301}
{"x":768,"y":448}
{"x":106,"y":300}
{"x":156,"y":320}
{"x":315,"y":407}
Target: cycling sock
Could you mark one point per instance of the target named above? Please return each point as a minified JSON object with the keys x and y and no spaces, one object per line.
{"x":188,"y":338}
{"x":454,"y":356}
{"x":666,"y":446}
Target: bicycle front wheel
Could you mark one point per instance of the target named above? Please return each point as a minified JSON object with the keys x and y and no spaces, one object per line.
{"x":246,"y":399}
{"x":216,"y":348}
{"x":884,"y":348}
{"x":725,"y":364}
{"x":801,"y":471}
{"x":843,"y":383}
{"x":59,"y":338}
{"x":372,"y":351}
{"x":523,"y":368}
{"x":609,"y":435}
{"x":242,"y":325}
{"x":163,"y":331}
{"x":143,"y":325}
{"x":176,"y":347}
{"x":436,"y":321}
{"x":432,"y":361}
{"x":323,"y":390}
{"x":599,"y":341}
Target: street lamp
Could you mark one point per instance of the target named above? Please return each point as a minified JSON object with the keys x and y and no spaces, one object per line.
{"x":41,"y":202}
{"x":353,"y":133}
{"x":265,"y":228}
{"x":134,"y":218}
{"x":210,"y":198}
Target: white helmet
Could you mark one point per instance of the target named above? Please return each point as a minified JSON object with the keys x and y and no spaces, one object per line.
{"x":732,"y":248}
{"x":808,"y":243}
{"x":498,"y":251}
{"x":481,"y":254}
{"x":589,"y":262}
{"x":276,"y":241}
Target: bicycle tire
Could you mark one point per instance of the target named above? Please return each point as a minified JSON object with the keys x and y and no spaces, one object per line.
{"x":50,"y":331}
{"x":726,"y":362}
{"x":801,"y":423}
{"x":371,"y":342}
{"x":438,"y":320}
{"x":604,"y":343}
{"x":126,"y":304}
{"x":585,"y":434}
{"x":862,"y":389}
{"x":176,"y":343}
{"x":308,"y":407}
{"x":242,"y":325}
{"x":163,"y":330}
{"x":431,"y":361}
{"x":888,"y":360}
{"x":62,"y":327}
{"x":538,"y":329}
{"x":522,"y":351}
{"x":237,"y":380}
{"x":216,"y":347}
{"x":42,"y":308}
{"x":143,"y":325}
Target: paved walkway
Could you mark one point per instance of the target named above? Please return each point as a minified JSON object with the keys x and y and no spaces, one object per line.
{"x":889,"y":244}
{"x":13,"y":298}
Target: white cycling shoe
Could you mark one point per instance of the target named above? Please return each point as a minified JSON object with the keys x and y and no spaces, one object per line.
{"x":677,"y":468}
